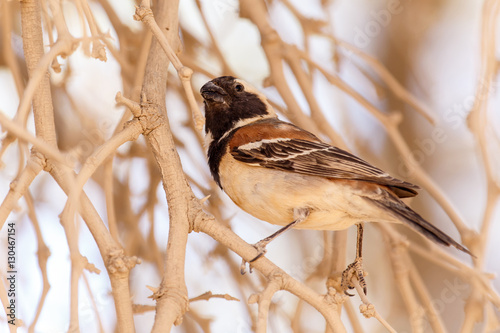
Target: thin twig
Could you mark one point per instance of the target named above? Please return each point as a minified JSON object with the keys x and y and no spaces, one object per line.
{"x":368,"y":309}
{"x":48,"y":150}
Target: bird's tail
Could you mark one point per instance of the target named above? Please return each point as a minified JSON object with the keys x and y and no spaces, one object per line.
{"x":400,"y":210}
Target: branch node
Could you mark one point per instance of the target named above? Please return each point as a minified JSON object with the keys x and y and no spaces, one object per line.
{"x":142,"y":13}
{"x":133,"y":106}
{"x":334,"y":297}
{"x":37,"y":158}
{"x":176,"y":295}
{"x":198,"y":222}
{"x":119,"y":263}
{"x":367,"y":310}
{"x":99,"y":51}
{"x":185,"y":73}
{"x":150,"y":118}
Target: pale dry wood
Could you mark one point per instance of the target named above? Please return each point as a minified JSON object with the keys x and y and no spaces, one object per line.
{"x":353,"y":318}
{"x":209,"y":295}
{"x":145,"y":14}
{"x":291,"y":54}
{"x":39,"y":144}
{"x":94,"y":305}
{"x":339,"y":259}
{"x":117,"y":263}
{"x":39,"y":77}
{"x":20,"y":186}
{"x":100,"y":154}
{"x":7,"y":13}
{"x":479,"y":125}
{"x":479,"y":118}
{"x":295,"y":320}
{"x":98,"y":49}
{"x":40,"y":96}
{"x":391,"y":82}
{"x":226,"y":69}
{"x":110,"y":201}
{"x":327,"y":306}
{"x":43,"y":254}
{"x":151,"y":244}
{"x":263,"y":299}
{"x":171,"y":297}
{"x":368,"y":309}
{"x":425,"y":298}
{"x":37,"y":91}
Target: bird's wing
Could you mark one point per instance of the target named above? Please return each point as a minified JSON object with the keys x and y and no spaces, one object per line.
{"x":309,"y":156}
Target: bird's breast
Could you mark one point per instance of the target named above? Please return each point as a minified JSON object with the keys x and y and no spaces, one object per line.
{"x":272,"y":195}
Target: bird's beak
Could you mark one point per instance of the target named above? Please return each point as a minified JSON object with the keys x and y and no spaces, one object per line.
{"x":212,"y":92}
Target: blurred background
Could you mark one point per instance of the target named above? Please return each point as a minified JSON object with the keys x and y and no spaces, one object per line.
{"x":348,"y":66}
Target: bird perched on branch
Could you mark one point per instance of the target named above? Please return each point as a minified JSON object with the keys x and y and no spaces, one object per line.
{"x":287,"y":176}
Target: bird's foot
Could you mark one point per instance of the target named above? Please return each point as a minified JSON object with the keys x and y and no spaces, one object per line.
{"x":261,"y":248}
{"x":354,"y":270}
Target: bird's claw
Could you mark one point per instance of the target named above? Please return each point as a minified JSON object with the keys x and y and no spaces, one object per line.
{"x":353,"y":270}
{"x":259,"y":246}
{"x":243,"y":267}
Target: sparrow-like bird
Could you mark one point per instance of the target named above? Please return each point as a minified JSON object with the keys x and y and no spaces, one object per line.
{"x":287,"y":176}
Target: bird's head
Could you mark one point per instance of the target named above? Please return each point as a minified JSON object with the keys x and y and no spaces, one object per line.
{"x":231,"y":103}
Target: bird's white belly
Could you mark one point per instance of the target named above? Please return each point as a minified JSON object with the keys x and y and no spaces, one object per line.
{"x":272,"y":195}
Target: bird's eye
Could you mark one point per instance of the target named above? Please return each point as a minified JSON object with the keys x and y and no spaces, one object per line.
{"x":238,"y":87}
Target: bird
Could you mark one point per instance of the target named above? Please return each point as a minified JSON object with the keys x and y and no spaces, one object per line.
{"x":287,"y":176}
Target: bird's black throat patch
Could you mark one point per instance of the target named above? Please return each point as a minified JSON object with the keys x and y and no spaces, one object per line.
{"x":215,"y":152}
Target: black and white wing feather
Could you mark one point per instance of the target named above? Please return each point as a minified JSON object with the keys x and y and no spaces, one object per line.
{"x":317,"y":159}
